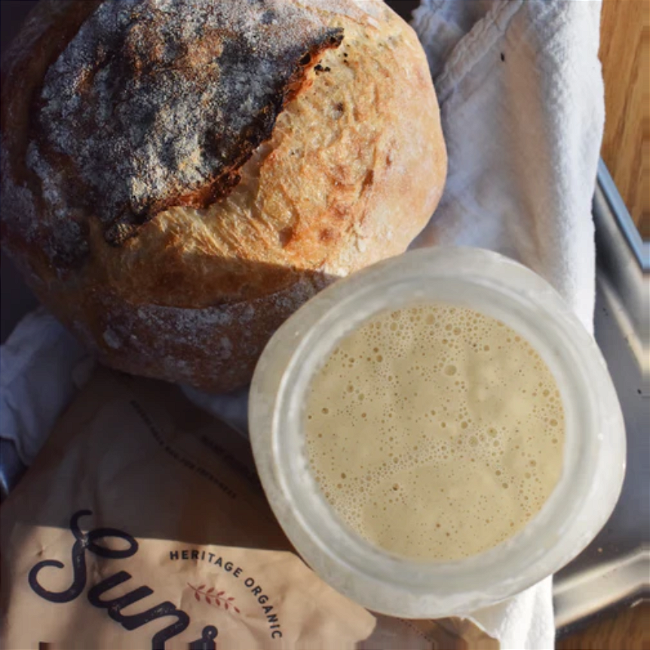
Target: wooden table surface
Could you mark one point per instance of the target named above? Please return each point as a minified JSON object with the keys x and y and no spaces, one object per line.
{"x":627,"y":630}
{"x":625,"y":55}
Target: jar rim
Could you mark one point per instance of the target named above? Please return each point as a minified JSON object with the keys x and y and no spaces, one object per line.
{"x":579,"y":504}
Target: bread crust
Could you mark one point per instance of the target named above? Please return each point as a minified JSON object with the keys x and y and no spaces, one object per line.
{"x":175,"y":256}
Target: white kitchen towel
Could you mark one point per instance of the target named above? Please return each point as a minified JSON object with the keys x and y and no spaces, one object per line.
{"x":522,"y":105}
{"x":41,"y":368}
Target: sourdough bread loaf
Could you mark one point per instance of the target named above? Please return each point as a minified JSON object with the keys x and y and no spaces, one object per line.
{"x":179,"y":176}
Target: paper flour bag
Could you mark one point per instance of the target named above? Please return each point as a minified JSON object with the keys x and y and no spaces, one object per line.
{"x":142,"y":525}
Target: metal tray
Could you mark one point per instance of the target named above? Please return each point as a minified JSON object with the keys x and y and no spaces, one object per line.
{"x":614,"y":571}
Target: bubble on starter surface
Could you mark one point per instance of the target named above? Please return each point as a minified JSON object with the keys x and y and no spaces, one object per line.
{"x":435,"y":432}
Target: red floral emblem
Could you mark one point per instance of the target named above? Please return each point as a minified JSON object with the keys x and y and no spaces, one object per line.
{"x":213,"y":598}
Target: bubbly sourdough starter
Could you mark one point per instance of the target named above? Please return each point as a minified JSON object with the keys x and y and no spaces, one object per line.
{"x":435,"y":432}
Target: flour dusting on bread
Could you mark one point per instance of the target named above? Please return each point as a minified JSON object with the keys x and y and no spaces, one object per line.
{"x":176,"y":95}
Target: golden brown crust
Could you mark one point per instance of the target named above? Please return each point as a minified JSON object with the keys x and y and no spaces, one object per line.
{"x":348,"y":175}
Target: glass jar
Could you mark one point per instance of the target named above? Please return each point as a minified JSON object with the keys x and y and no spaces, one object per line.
{"x":594,"y":448}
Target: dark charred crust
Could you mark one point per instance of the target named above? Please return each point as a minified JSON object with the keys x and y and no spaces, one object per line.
{"x":336,"y":37}
{"x":285,"y":236}
{"x":120,"y":104}
{"x":328,"y":235}
{"x":268,"y":17}
{"x":213,"y":192}
{"x":70,"y":248}
{"x":120,"y":232}
{"x":316,"y":51}
{"x":368,"y":181}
